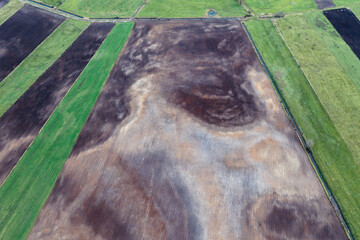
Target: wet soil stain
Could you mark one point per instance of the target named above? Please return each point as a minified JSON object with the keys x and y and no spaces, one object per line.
{"x":21,"y":123}
{"x":347,"y":25}
{"x":22,"y":33}
{"x":324,"y":3}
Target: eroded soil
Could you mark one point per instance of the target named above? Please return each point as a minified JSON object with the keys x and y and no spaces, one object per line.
{"x":22,"y":122}
{"x":187,"y":141}
{"x":324,"y":3}
{"x":22,"y":33}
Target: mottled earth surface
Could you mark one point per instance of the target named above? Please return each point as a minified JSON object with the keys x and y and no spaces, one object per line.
{"x":188,"y":141}
{"x":324,"y":3}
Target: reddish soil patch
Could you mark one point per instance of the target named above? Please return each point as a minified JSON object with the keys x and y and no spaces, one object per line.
{"x":22,"y":33}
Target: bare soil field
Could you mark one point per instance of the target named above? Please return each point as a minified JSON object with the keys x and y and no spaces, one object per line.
{"x":3,"y":3}
{"x":188,"y":141}
{"x":22,"y":122}
{"x":22,"y":33}
{"x":347,"y":25}
{"x":324,"y":3}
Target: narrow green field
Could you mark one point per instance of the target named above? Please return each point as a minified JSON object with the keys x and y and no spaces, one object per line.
{"x":273,"y":6}
{"x":341,"y":100}
{"x":16,"y":83}
{"x":345,"y":2}
{"x":26,"y":189}
{"x":190,"y":8}
{"x":96,"y":8}
{"x":336,"y":45}
{"x":9,"y":9}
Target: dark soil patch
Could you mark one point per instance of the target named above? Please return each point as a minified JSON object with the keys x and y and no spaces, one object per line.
{"x":347,"y":25}
{"x":324,"y":3}
{"x":22,"y":33}
{"x":26,"y":117}
{"x":3,"y":3}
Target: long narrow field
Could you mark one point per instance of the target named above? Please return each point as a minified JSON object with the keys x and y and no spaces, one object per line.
{"x":190,"y":8}
{"x":336,"y":45}
{"x":187,"y":140}
{"x":28,"y":186}
{"x":273,"y":6}
{"x":339,"y":96}
{"x":9,"y":9}
{"x":329,"y":149}
{"x":22,"y":122}
{"x":22,"y":33}
{"x":347,"y":25}
{"x":16,"y":83}
{"x":3,"y":3}
{"x":96,"y":8}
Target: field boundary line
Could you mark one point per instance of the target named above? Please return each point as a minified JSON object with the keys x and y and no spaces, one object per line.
{"x":301,"y":138}
{"x":67,"y":92}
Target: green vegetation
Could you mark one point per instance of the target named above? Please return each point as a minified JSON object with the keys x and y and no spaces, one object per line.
{"x":341,"y":100}
{"x":9,"y":9}
{"x":273,"y":6}
{"x":28,"y":186}
{"x":190,"y":8}
{"x":336,"y":45}
{"x":335,"y":161}
{"x":15,"y":85}
{"x":345,"y":2}
{"x":96,"y":8}
{"x":356,"y":10}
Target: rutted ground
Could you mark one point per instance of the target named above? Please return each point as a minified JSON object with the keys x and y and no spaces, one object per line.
{"x":22,"y":122}
{"x":22,"y":33}
{"x":188,"y":141}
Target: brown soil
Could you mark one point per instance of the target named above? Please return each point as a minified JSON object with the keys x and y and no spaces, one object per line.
{"x":187,"y":141}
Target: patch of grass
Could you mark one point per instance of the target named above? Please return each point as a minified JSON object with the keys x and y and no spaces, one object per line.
{"x":336,"y":45}
{"x":19,"y":80}
{"x":28,"y":186}
{"x":96,"y":8}
{"x":190,"y":8}
{"x":9,"y":9}
{"x":341,"y":100}
{"x":345,"y":2}
{"x":356,"y":10}
{"x":273,"y":6}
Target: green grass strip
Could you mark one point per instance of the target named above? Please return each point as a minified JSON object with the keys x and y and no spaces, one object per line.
{"x":336,"y":45}
{"x":28,"y":186}
{"x":9,"y":9}
{"x":341,"y":100}
{"x":273,"y":6}
{"x":190,"y":8}
{"x":19,"y":80}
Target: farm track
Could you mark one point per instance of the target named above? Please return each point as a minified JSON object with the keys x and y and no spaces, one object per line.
{"x":22,"y":33}
{"x":22,"y":122}
{"x":183,"y":171}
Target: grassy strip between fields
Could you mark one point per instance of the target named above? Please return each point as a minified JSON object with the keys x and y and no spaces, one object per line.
{"x":9,"y":9}
{"x":15,"y":84}
{"x":190,"y":8}
{"x":26,"y":189}
{"x":96,"y":8}
{"x":336,"y":45}
{"x":341,"y":100}
{"x":273,"y":6}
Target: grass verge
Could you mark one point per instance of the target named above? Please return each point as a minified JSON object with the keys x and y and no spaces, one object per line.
{"x":26,"y":189}
{"x":273,"y":6}
{"x":19,"y":80}
{"x":335,"y":137}
{"x":96,"y":8}
{"x":190,"y":8}
{"x":9,"y":9}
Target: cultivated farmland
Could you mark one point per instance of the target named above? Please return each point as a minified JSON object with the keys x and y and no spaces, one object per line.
{"x":273,"y":6}
{"x":3,"y":3}
{"x":96,"y":8}
{"x":21,"y":34}
{"x":190,"y":8}
{"x":186,"y":172}
{"x":339,"y":96}
{"x":22,"y":122}
{"x":9,"y":9}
